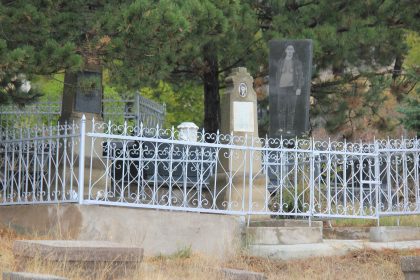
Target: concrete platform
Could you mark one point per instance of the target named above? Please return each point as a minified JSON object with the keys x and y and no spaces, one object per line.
{"x":156,"y":231}
{"x":389,"y":234}
{"x":283,"y":235}
{"x":328,"y":248}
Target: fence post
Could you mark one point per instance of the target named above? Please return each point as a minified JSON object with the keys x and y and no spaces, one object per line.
{"x":311,"y":181}
{"x":377,"y":181}
{"x":82,"y":159}
{"x":138,"y":119}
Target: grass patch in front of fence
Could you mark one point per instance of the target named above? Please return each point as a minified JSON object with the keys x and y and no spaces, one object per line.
{"x":408,"y":220}
{"x":362,"y":264}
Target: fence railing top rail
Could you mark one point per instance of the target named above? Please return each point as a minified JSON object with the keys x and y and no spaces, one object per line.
{"x":320,"y":147}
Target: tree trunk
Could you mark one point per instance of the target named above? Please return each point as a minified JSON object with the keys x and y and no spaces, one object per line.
{"x":397,"y":86}
{"x":211,"y":91}
{"x":399,"y":60}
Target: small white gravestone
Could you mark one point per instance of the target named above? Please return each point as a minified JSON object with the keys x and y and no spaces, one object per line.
{"x":188,"y":131}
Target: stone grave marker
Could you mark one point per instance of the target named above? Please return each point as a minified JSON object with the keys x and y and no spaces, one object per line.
{"x":289,"y":87}
{"x":239,"y":118}
{"x":236,"y":274}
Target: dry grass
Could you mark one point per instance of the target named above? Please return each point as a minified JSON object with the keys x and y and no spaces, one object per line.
{"x":408,"y":220}
{"x":365,"y":264}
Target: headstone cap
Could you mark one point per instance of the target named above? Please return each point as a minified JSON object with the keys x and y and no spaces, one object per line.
{"x":187,"y":125}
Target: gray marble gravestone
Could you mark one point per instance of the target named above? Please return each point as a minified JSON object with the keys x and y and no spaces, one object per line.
{"x":289,"y":87}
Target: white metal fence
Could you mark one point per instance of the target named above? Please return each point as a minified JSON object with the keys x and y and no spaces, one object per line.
{"x":137,"y":110}
{"x":38,"y":113}
{"x":38,"y":165}
{"x":151,"y":168}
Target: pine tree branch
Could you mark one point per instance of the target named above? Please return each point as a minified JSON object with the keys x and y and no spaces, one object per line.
{"x":239,"y":60}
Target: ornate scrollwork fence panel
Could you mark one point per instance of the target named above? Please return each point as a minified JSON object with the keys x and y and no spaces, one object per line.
{"x":152,"y":168}
{"x":145,"y":167}
{"x":399,"y":172}
{"x":318,"y":179}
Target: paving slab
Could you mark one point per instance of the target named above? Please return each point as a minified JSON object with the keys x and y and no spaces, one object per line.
{"x":328,"y":248}
{"x":283,"y":235}
{"x":236,"y":274}
{"x":410,"y":266}
{"x":385,"y":234}
{"x":74,"y":250}
{"x":29,"y":276}
{"x":91,"y":256}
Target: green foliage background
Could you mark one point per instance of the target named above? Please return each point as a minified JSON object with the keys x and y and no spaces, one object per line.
{"x":179,"y":52}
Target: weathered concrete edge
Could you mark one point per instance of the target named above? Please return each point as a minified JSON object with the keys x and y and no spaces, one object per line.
{"x":390,"y":234}
{"x":283,"y":235}
{"x":346,"y":233}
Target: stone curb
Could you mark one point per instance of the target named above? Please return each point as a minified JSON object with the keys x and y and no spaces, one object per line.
{"x":236,"y":274}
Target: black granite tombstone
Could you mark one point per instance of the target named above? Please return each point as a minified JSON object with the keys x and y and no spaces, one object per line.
{"x":89,"y":93}
{"x":289,"y":87}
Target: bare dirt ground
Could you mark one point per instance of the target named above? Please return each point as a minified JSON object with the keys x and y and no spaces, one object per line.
{"x":364,"y":264}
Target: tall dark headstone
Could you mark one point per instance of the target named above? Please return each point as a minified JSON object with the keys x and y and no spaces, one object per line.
{"x":289,"y":87}
{"x":82,"y":94}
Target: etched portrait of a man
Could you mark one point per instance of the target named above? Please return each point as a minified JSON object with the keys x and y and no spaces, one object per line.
{"x":289,"y":80}
{"x":289,"y":88}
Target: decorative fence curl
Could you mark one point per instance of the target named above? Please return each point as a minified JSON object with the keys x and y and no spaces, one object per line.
{"x":153,"y":168}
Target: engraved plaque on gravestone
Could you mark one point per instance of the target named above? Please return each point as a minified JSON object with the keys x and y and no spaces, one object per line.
{"x":243,"y":116}
{"x":289,"y":87}
{"x":89,"y":92}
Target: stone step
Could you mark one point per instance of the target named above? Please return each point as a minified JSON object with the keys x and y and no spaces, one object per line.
{"x":410,"y":266}
{"x":328,"y":248}
{"x":283,"y":235}
{"x":284,"y":223}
